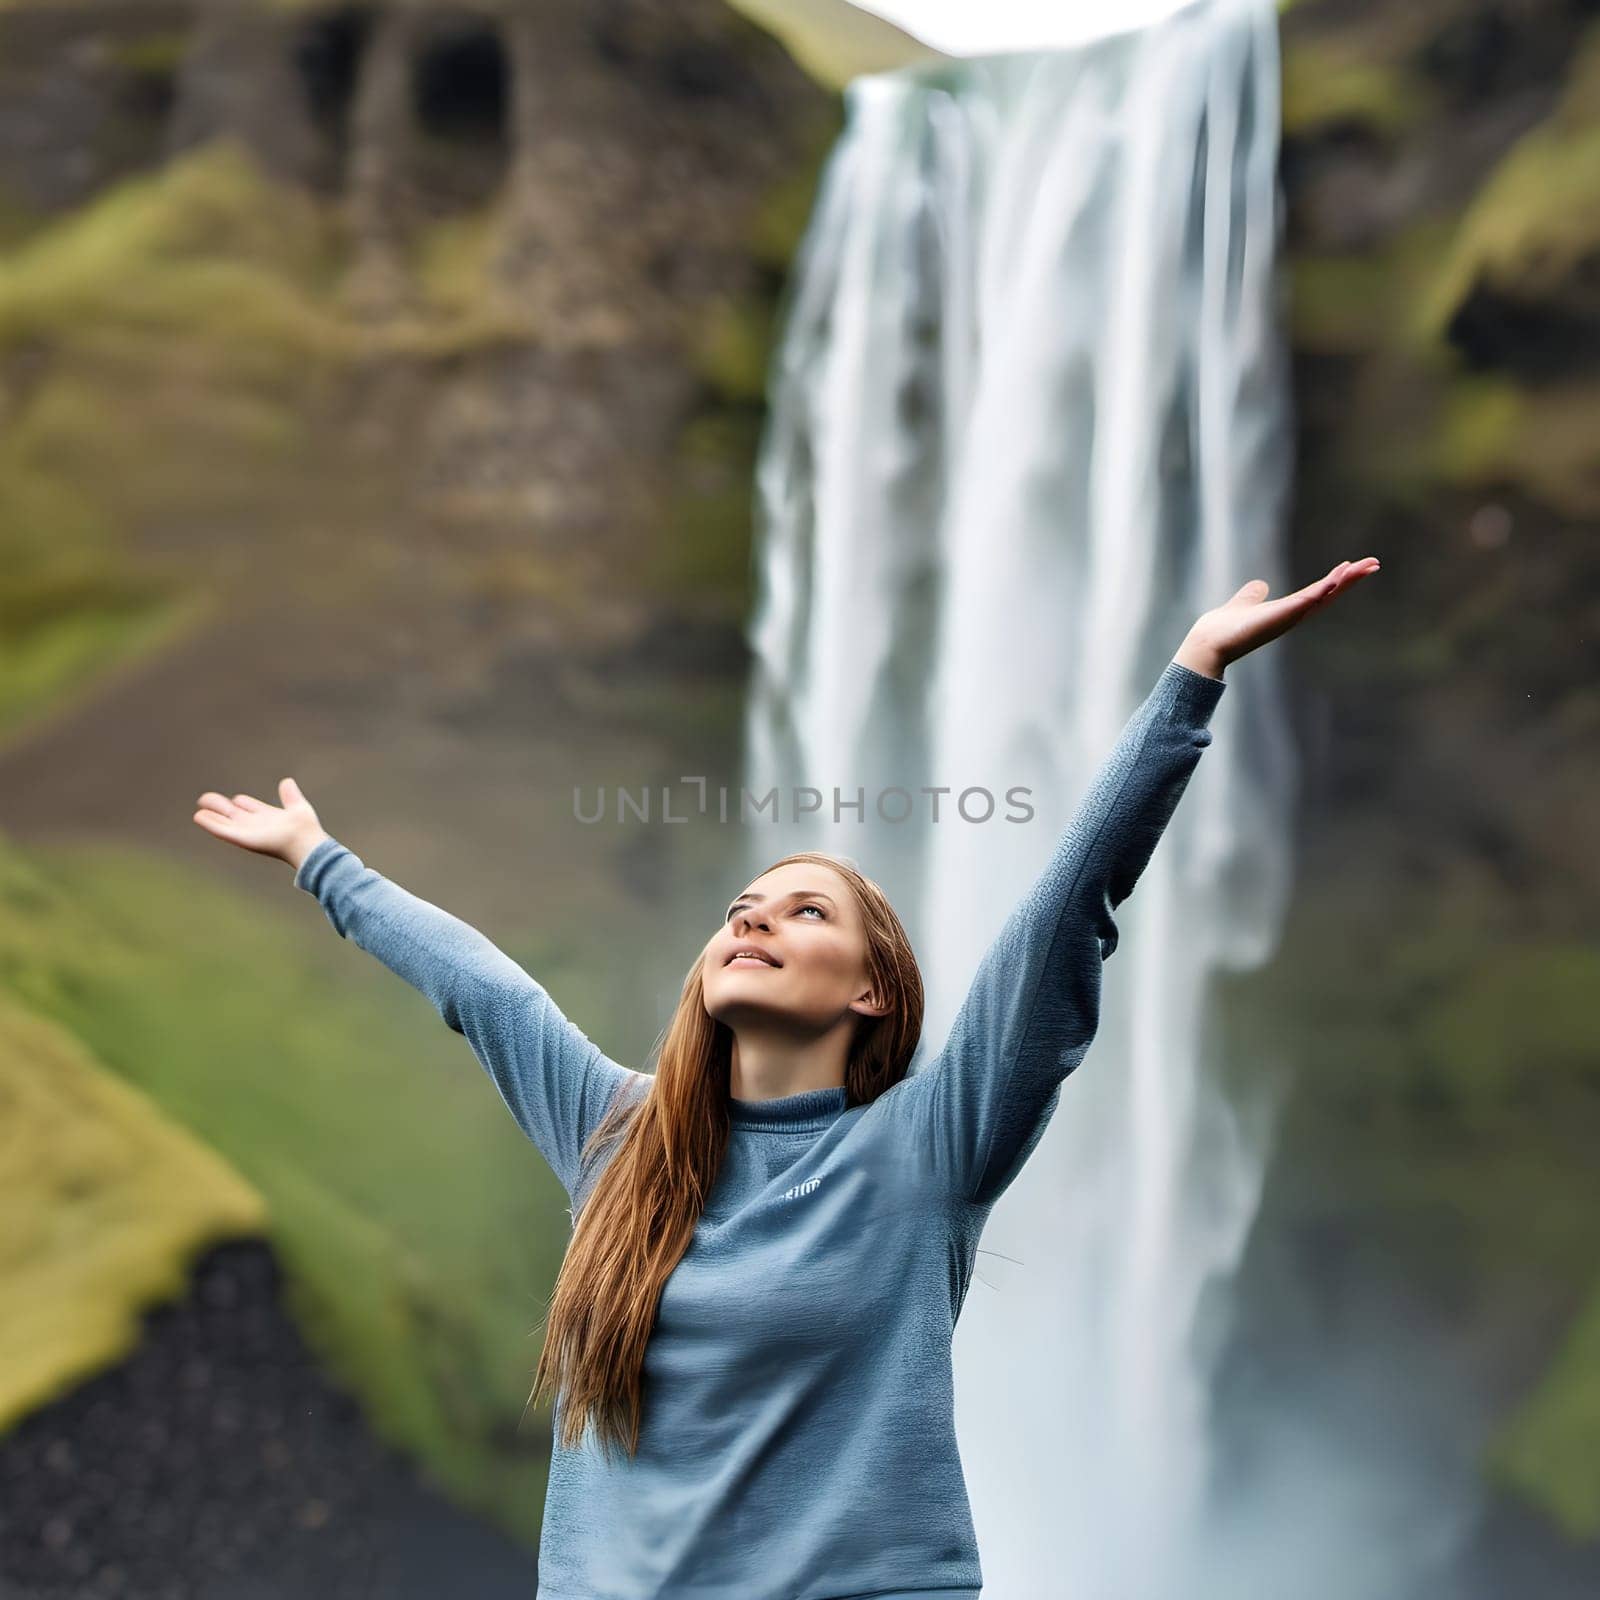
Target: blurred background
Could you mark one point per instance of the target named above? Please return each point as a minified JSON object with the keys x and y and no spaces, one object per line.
{"x":472,"y":409}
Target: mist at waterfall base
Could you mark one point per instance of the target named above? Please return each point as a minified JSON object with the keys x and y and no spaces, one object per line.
{"x":1029,"y":416}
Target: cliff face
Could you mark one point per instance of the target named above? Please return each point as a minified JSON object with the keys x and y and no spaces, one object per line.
{"x":503,"y":274}
{"x":1441,"y":165}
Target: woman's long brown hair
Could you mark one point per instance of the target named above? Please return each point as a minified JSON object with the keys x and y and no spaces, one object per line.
{"x":639,"y":1219}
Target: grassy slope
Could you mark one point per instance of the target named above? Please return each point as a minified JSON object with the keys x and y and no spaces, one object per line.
{"x":342,"y":1098}
{"x":212,"y":293}
{"x":106,"y":1201}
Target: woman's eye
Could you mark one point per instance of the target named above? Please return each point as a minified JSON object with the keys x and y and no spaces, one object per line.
{"x":818,"y":909}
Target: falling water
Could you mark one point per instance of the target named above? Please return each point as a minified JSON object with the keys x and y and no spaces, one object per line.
{"x":1028,"y":418}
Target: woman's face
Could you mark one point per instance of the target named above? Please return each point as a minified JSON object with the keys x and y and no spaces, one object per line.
{"x":811,"y":966}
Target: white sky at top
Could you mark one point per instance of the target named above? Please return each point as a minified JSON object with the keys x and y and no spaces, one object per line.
{"x":978,"y":27}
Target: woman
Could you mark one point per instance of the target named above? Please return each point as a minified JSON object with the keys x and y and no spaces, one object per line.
{"x":749,"y":1344}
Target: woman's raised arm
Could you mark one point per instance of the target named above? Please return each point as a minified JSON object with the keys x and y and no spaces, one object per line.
{"x":555,"y":1081}
{"x":1034,"y":1006}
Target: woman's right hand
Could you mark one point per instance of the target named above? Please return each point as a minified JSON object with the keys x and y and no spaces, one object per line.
{"x":289,"y":832}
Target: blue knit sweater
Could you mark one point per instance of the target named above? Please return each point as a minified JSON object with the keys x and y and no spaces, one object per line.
{"x":798,"y":1438}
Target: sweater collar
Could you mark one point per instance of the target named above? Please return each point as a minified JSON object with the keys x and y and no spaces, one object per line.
{"x":810,"y":1111}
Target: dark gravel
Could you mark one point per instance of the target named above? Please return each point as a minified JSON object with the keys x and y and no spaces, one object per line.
{"x":218,"y":1463}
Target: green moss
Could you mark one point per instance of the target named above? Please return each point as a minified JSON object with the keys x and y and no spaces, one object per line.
{"x":704,"y":551}
{"x":106,"y":1202}
{"x":1339,"y":302}
{"x":1491,"y":432}
{"x":1532,"y":224}
{"x":1554,"y":450}
{"x":781,"y":221}
{"x":730,"y":354}
{"x":420,"y":1232}
{"x":1535,"y":220}
{"x":156,"y":55}
{"x":1353,"y":302}
{"x":76,"y":467}
{"x":720,"y":445}
{"x":1549,"y":1451}
{"x":837,"y":42}
{"x":1514,"y":1025}
{"x":68,"y":636}
{"x":451,"y":258}
{"x":785,"y":210}
{"x":1323,"y":86}
{"x":1424,"y":1103}
{"x":1479,"y":421}
{"x":184,"y":334}
{"x":207,"y":247}
{"x":175,"y":338}
{"x":19,"y":219}
{"x":79,"y":429}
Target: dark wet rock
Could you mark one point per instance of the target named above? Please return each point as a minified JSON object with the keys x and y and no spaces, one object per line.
{"x":219,"y":1463}
{"x":1538,"y":341}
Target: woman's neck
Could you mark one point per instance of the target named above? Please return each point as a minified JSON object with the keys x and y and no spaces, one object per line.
{"x":767,"y":1066}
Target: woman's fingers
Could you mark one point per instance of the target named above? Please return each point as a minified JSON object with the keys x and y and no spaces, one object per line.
{"x":1339,"y":578}
{"x":238,"y":805}
{"x":1316,"y":595}
{"x":1323,"y":588}
{"x":1248,"y":620}
{"x":1347,"y":573}
{"x":251,"y":823}
{"x":1255,"y":592}
{"x":245,"y":821}
{"x":215,"y":822}
{"x":290,"y":794}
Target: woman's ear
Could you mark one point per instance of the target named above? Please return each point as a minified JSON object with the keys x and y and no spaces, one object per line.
{"x":868,"y":1004}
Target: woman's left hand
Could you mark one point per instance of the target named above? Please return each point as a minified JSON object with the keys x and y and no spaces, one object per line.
{"x":1249,"y":620}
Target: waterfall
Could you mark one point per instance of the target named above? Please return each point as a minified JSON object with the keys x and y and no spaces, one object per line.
{"x":1028,"y":417}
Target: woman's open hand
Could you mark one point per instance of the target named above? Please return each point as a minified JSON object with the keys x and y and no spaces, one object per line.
{"x":288,"y":831}
{"x":1249,"y":620}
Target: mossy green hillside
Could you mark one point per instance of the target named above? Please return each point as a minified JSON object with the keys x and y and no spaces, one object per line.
{"x":172,"y":350}
{"x":1533,"y":227}
{"x":1546,"y":1452}
{"x":1326,"y":85}
{"x":107,"y":1201}
{"x":421,"y":1233}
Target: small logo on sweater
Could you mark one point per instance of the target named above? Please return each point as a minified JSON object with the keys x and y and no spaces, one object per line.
{"x":799,"y":1189}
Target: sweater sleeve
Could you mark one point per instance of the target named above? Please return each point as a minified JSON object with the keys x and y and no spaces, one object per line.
{"x":553,"y":1079}
{"x":1033,"y":1007}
